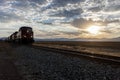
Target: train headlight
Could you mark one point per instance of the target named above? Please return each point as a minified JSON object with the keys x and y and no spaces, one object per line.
{"x":24,"y":36}
{"x":27,"y":31}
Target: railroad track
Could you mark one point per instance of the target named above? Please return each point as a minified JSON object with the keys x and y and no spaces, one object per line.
{"x":105,"y":58}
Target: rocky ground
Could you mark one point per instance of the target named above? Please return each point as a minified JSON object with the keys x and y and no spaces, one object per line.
{"x":37,"y":64}
{"x":22,"y":62}
{"x":8,"y":70}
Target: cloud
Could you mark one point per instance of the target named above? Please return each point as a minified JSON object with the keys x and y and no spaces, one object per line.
{"x":60,"y":3}
{"x":51,"y":10}
{"x":31,"y":10}
{"x":75,"y":33}
{"x":95,"y":9}
{"x":7,"y":17}
{"x":69,"y":13}
{"x":56,"y":14}
{"x":83,"y":23}
{"x":112,"y":6}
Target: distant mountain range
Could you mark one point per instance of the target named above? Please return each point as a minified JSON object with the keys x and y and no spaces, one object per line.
{"x":74,"y":39}
{"x":114,"y":39}
{"x":2,"y":39}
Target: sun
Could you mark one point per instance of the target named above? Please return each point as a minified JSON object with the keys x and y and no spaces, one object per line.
{"x":93,"y":30}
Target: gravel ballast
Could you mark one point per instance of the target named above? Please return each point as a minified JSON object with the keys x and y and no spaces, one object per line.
{"x":36,"y":64}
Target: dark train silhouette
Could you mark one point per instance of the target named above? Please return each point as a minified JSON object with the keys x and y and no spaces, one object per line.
{"x":24,"y":35}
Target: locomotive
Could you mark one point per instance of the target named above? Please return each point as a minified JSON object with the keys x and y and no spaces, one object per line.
{"x":24,"y":35}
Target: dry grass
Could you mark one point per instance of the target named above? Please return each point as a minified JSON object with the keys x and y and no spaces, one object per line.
{"x":114,"y":45}
{"x":105,"y":48}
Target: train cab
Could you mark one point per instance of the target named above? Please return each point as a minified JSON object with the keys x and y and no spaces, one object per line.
{"x":26,"y":34}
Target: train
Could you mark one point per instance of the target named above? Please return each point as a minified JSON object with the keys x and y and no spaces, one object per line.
{"x":23,"y":35}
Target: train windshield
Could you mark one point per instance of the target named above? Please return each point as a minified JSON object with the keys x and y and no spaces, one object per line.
{"x":26,"y":30}
{"x":29,"y":30}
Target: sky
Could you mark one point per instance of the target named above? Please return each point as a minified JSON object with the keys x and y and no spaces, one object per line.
{"x":69,"y":19}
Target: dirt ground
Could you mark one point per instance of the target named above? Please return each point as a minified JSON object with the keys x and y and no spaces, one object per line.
{"x":23,"y":62}
{"x":8,"y":70}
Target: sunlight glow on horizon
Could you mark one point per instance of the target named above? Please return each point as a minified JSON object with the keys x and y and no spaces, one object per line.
{"x":95,"y":30}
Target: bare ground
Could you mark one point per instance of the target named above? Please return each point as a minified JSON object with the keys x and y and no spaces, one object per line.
{"x":8,"y":70}
{"x":37,"y":64}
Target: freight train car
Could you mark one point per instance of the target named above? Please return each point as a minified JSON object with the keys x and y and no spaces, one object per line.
{"x":24,"y":35}
{"x":14,"y":36}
